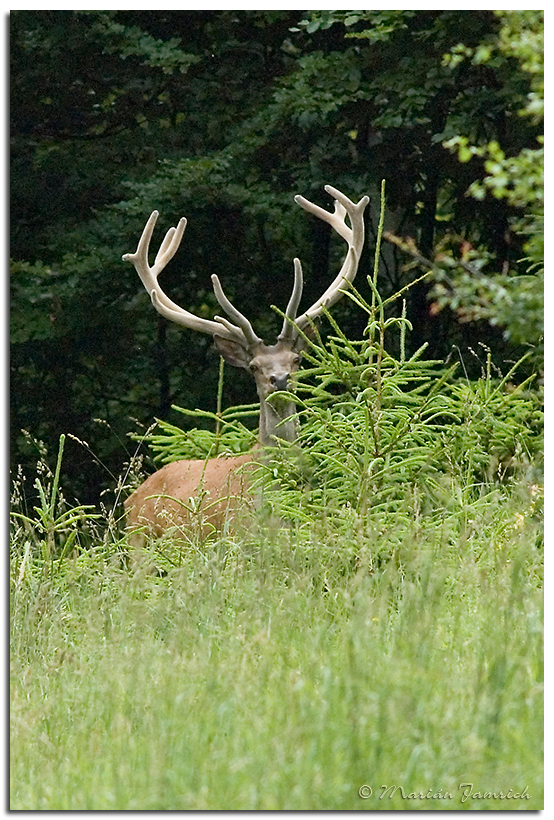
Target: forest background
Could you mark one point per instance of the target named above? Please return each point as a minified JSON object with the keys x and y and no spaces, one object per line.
{"x":222,"y":116}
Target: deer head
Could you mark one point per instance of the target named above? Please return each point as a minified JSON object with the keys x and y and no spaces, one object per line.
{"x":271,"y":365}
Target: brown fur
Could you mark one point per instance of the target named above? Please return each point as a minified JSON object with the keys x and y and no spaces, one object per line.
{"x":190,"y":496}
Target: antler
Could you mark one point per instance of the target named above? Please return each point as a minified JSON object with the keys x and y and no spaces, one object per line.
{"x":354,"y":236}
{"x":242,"y":332}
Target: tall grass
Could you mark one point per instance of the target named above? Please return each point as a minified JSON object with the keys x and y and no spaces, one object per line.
{"x":286,"y":674}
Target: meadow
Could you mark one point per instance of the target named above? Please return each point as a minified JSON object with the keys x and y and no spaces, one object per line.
{"x":286,"y":673}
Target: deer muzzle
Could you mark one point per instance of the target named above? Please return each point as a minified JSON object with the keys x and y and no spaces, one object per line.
{"x":279,"y":382}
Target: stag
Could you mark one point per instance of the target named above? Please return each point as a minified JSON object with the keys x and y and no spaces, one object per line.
{"x":215,"y":489}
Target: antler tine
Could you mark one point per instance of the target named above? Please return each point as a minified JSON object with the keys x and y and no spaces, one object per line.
{"x":335,"y":219}
{"x":354,"y":236}
{"x":234,"y":314}
{"x":163,"y":304}
{"x":170,"y":244}
{"x":287,"y":331}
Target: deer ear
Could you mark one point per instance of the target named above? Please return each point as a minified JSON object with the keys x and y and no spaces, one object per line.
{"x":233,"y":352}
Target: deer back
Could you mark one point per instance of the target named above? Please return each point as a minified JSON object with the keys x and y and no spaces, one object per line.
{"x":199,"y":496}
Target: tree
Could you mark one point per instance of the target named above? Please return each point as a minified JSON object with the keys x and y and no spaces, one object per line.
{"x":513,"y":297}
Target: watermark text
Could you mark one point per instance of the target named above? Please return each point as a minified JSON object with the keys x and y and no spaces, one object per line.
{"x":465,"y":792}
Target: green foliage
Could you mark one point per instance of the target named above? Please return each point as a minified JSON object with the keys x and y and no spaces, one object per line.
{"x":510,"y":301}
{"x":381,"y":433}
{"x":231,"y":436}
{"x":320,"y":87}
{"x":53,"y":532}
{"x":32,"y":284}
{"x":513,"y":303}
{"x":127,"y":41}
{"x":382,"y":23}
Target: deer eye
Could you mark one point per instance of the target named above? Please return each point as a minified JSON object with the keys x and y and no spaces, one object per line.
{"x":253,"y":368}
